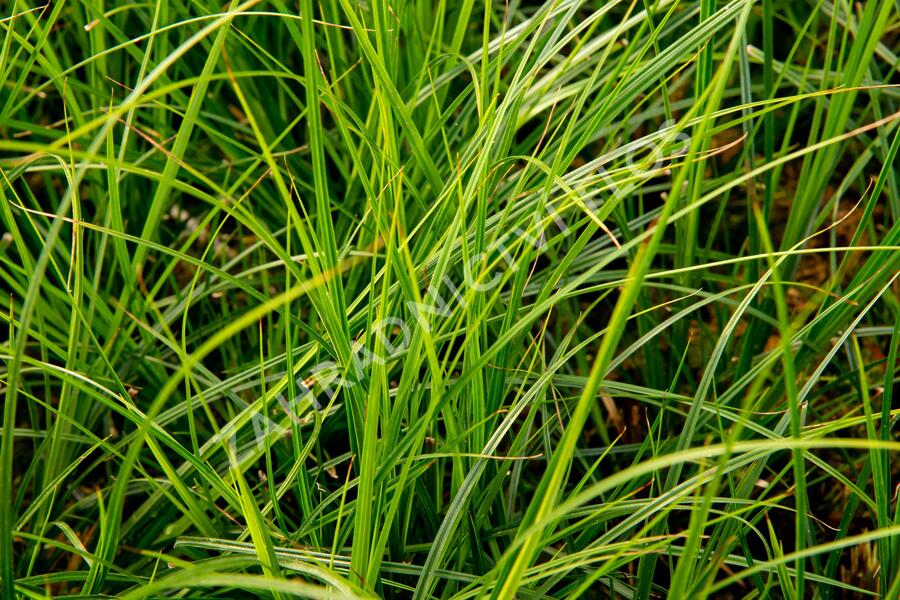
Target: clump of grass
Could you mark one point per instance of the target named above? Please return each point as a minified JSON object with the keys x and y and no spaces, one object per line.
{"x":448,"y":299}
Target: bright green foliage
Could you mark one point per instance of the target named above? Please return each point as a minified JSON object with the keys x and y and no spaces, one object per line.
{"x":449,"y":299}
